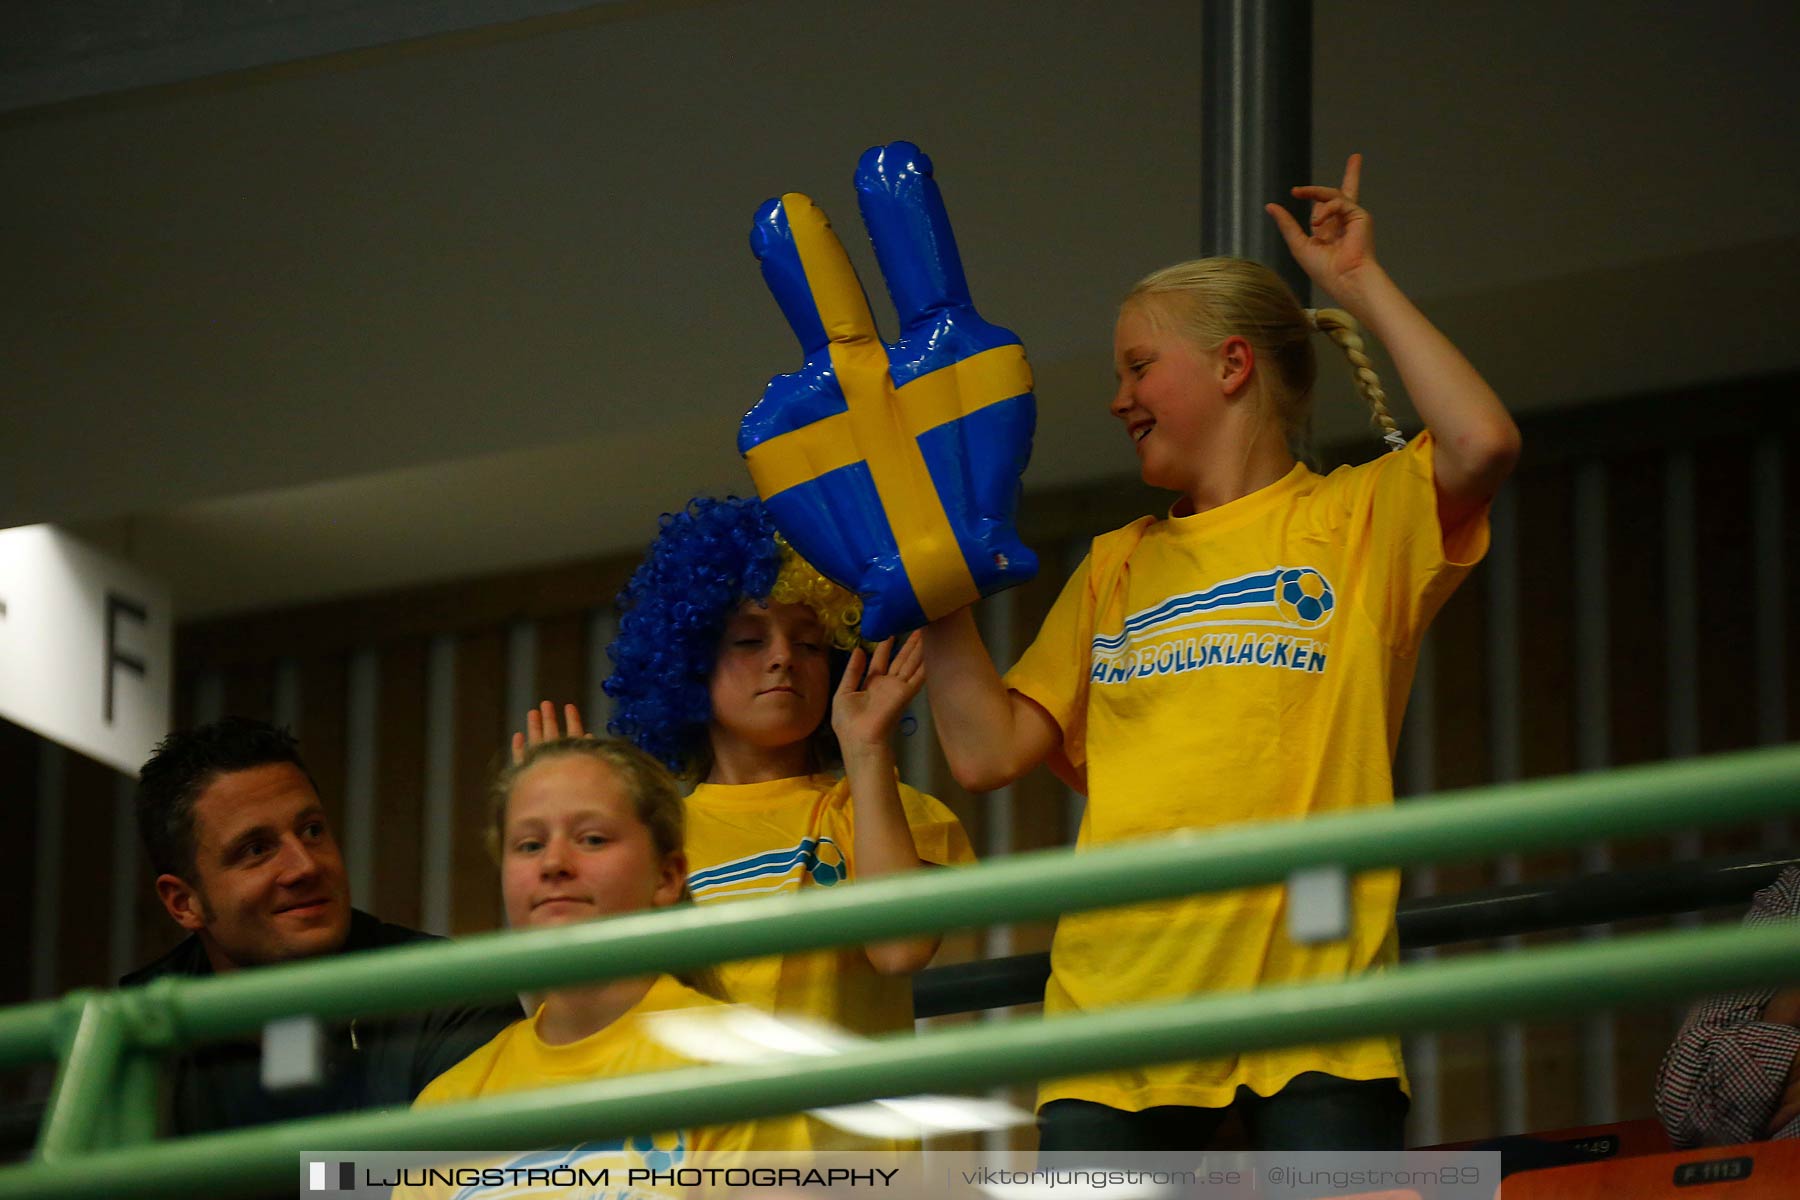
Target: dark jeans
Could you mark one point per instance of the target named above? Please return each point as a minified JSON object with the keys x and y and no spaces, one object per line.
{"x":1313,"y":1112}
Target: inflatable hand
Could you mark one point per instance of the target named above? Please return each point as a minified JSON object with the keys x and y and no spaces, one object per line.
{"x":892,"y":467}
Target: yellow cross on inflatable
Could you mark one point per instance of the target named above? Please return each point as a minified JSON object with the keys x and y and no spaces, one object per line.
{"x":893,"y":468}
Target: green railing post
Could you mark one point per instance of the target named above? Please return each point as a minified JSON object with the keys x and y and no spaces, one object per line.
{"x":81,"y":1097}
{"x":150,"y":1025}
{"x":134,"y":1108}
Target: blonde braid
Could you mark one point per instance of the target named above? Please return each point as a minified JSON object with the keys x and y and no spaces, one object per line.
{"x":1340,"y":327}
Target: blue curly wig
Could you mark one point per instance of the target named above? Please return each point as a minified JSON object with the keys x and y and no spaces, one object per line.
{"x":706,"y":559}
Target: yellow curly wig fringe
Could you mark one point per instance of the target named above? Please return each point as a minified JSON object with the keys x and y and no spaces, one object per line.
{"x":799,"y":582}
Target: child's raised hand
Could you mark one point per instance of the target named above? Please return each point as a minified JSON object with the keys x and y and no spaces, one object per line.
{"x":540,"y":726}
{"x":875,"y":691}
{"x":1341,"y":242}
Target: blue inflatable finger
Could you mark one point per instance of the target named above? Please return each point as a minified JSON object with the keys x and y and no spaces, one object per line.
{"x":893,"y":467}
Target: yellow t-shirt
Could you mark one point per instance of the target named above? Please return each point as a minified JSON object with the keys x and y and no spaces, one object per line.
{"x":1249,"y":663}
{"x":763,"y":839}
{"x":517,"y":1059}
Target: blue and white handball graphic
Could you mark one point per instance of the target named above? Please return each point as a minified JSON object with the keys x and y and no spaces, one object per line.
{"x":827,"y":865}
{"x":658,"y":1152}
{"x":1303,"y":596}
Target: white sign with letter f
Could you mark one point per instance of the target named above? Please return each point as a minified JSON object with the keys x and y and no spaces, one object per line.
{"x":86,"y":647}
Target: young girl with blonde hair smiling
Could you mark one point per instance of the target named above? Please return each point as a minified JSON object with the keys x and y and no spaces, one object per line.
{"x":1246,"y":658}
{"x":586,"y":828}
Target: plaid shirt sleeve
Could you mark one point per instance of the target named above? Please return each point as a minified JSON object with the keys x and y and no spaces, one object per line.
{"x":1723,"y":1077}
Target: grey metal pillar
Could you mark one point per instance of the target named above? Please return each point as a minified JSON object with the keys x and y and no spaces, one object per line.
{"x":1255,"y":126}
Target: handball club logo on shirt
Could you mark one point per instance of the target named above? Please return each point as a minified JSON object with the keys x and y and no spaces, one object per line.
{"x":1267,"y":619}
{"x":816,"y":858}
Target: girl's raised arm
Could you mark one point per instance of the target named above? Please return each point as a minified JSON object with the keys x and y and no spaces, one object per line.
{"x":990,"y":734}
{"x":1475,"y":440}
{"x":870,"y":701}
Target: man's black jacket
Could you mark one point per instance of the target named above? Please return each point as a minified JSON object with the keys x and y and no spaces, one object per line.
{"x":369,"y":1061}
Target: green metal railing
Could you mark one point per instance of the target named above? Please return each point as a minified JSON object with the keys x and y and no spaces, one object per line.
{"x":91,"y":1145}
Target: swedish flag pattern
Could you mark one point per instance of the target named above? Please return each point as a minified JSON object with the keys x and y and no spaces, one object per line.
{"x":893,"y":467}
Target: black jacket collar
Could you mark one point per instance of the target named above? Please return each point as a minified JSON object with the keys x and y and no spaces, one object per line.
{"x":189,"y":957}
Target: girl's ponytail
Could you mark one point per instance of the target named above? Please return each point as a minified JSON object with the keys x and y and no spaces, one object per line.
{"x":1341,"y":328}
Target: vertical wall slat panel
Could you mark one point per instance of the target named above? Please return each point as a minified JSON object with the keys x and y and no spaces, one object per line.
{"x":1637,"y":618}
{"x":438,"y":822}
{"x":1725,"y":523}
{"x":84,"y":904}
{"x":1460,"y":721}
{"x":1682,"y":638}
{"x":1790,"y":557}
{"x":481,"y":734}
{"x":1771,"y":636}
{"x":248,"y":691}
{"x":1505,"y":765}
{"x":285,"y":705}
{"x":1592,"y":749}
{"x":46,"y":893}
{"x":126,"y":886}
{"x":602,"y":628}
{"x":19,"y":764}
{"x":400,"y":783}
{"x":562,"y":667}
{"x":186,"y":700}
{"x":324,"y":730}
{"x":1546,"y":665}
{"x":362,"y":745}
{"x":521,"y":692}
{"x":209,"y":697}
{"x":1415,"y":774}
{"x":1772,"y":521}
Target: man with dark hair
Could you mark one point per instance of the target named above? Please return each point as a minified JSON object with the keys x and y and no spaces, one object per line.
{"x":245,"y":861}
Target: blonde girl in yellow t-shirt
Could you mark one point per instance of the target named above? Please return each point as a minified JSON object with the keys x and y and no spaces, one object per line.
{"x":1245,"y":658}
{"x":587,"y":828}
